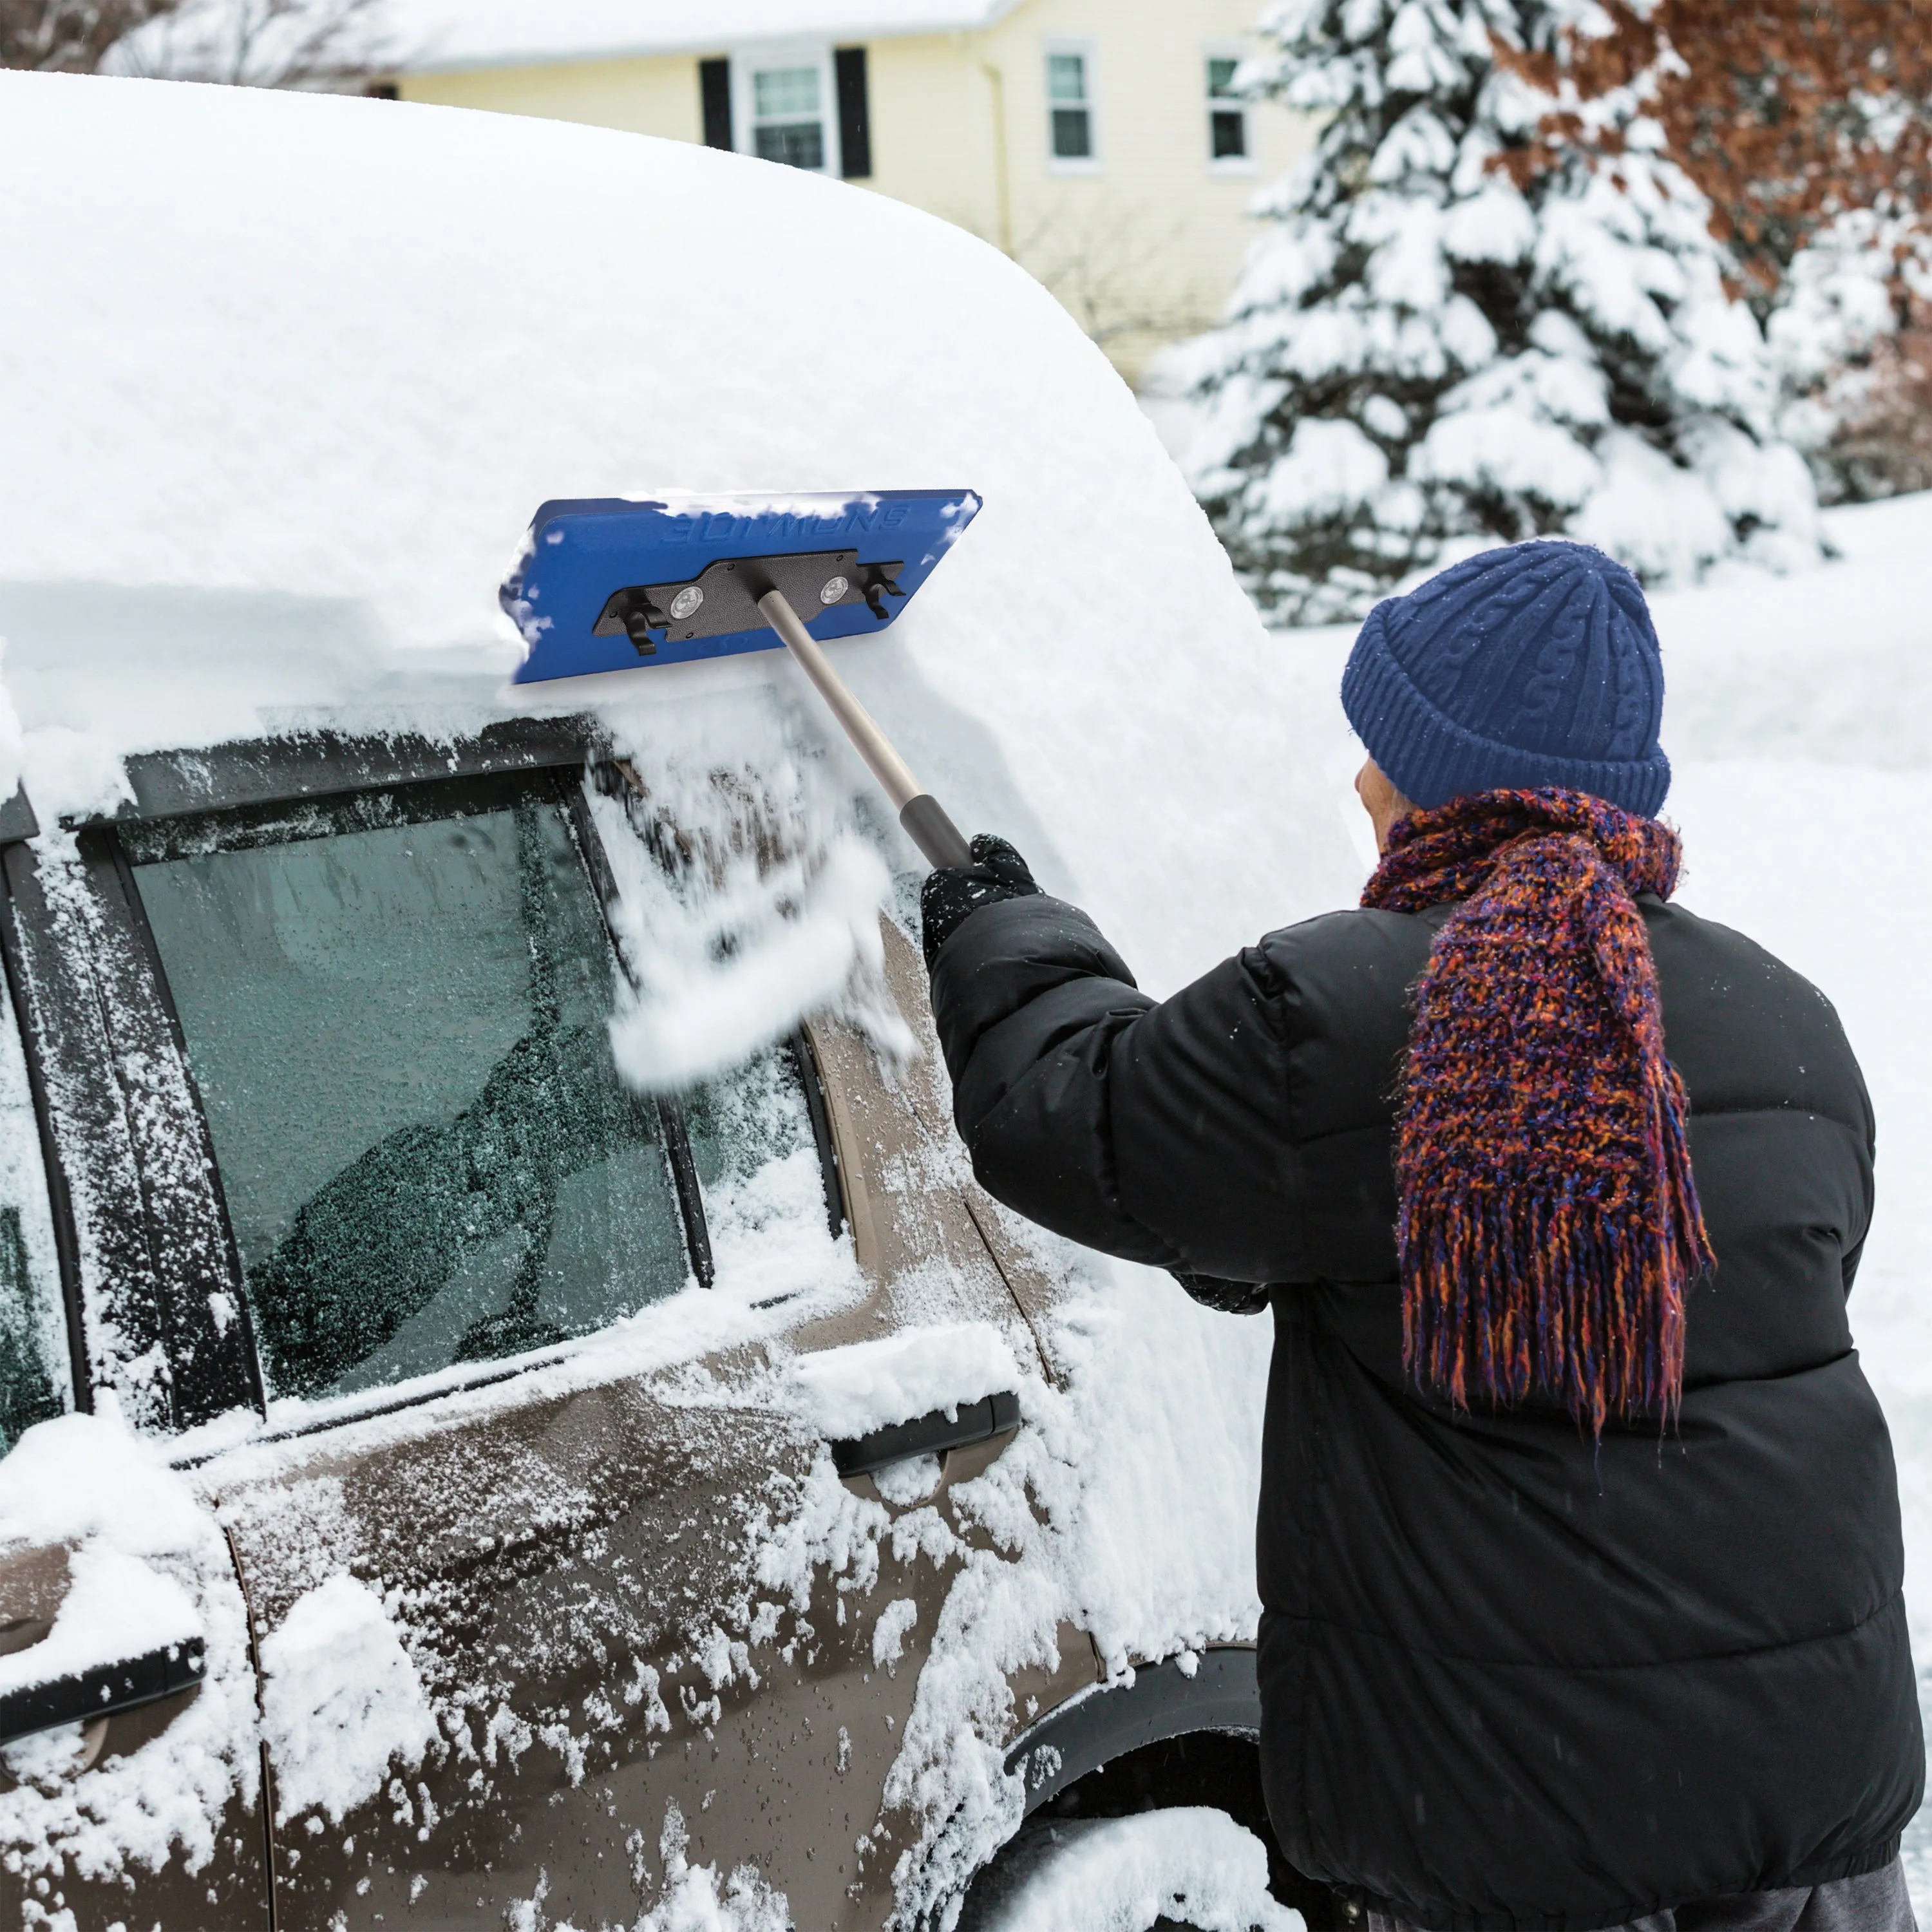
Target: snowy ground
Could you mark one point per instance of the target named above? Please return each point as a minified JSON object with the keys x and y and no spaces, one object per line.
{"x":1799,"y":723}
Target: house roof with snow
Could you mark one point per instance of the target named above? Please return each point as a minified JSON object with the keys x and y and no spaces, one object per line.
{"x":430,"y":36}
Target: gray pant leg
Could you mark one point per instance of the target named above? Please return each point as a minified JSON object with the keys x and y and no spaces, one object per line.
{"x":1873,"y":1902}
{"x":1876,"y":1902}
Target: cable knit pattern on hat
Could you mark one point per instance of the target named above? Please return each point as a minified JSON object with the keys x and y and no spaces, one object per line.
{"x":1535,"y":665}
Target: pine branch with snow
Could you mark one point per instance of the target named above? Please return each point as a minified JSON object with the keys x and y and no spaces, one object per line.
{"x":1435,"y":348}
{"x":1851,"y":342}
{"x":1809,"y":128}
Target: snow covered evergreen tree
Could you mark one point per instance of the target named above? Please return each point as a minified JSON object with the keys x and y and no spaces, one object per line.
{"x":1850,"y":332}
{"x":1456,"y":335}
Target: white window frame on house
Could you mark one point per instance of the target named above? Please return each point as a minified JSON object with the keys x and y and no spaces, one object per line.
{"x":747,"y":63}
{"x":1088,"y":163}
{"x":1244,"y":163}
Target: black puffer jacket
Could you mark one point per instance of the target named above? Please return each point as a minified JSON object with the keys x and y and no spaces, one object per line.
{"x":1511,"y":1679}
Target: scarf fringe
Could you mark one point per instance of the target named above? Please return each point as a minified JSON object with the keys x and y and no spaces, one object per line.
{"x":1583,"y":1298}
{"x":1548,"y":1226}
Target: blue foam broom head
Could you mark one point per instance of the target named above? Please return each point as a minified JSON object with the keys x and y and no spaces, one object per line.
{"x":608,"y":583}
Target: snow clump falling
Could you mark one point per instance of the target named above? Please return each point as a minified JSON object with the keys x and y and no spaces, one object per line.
{"x":747,"y":893}
{"x":1431,"y":351}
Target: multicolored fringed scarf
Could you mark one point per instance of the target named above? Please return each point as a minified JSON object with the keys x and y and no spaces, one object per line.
{"x":1548,"y":1224}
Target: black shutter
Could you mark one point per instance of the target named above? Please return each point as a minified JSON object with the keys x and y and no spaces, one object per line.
{"x":855,"y":115}
{"x":714,"y":88}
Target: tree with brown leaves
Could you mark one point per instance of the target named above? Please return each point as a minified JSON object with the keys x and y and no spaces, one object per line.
{"x":1807,"y":124}
{"x":1786,"y":113}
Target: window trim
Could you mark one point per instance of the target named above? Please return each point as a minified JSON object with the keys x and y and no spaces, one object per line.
{"x":1093,"y":161}
{"x":1246,"y":163}
{"x":262,"y":774}
{"x":747,"y":62}
{"x":98,"y":1035}
{"x":144,"y":938}
{"x":60,"y":1201}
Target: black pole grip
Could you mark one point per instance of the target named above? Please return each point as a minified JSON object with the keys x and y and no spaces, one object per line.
{"x":935,"y":835}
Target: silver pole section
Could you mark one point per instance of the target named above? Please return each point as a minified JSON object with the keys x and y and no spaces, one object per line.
{"x":920,"y":813}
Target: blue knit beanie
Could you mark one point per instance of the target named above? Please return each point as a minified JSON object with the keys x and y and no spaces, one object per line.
{"x":1534,"y":665}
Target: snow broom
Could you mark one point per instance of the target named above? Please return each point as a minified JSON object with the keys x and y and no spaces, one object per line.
{"x":606,"y":584}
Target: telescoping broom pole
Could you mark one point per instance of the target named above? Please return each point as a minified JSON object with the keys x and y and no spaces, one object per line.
{"x":921,"y":814}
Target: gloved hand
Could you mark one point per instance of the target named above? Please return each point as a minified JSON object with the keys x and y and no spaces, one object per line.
{"x":1226,"y":1298}
{"x":951,"y":895}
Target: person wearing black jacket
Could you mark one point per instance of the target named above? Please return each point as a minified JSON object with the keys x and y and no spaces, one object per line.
{"x":1578,"y":1547}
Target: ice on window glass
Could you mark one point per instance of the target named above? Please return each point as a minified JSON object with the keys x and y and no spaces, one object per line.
{"x":758,"y":1166}
{"x":399,"y":1034}
{"x":34,"y":1377}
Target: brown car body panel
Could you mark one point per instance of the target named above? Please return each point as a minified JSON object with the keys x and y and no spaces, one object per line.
{"x":230,"y":1890}
{"x":565,"y":1566}
{"x":550,"y":1555}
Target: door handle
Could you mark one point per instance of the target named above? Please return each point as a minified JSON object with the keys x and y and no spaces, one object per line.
{"x":927,"y":1434}
{"x":102,"y":1690}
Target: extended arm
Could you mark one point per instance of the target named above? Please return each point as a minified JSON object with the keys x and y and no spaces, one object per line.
{"x":1152,"y":1131}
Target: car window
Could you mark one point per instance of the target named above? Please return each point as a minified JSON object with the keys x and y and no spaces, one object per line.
{"x":395,"y":1010}
{"x":35,"y":1381}
{"x":758,"y":1159}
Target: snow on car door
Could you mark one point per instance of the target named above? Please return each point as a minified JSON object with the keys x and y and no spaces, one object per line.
{"x":513,"y":1322}
{"x":129,"y":1768}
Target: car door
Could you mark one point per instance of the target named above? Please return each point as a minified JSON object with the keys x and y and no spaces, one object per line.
{"x":495,"y":1535}
{"x":89,"y":1811}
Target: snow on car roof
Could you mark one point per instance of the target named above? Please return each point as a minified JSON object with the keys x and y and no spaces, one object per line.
{"x":433,"y":35}
{"x":303,"y":365}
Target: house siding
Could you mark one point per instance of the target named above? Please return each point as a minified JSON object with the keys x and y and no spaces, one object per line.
{"x":1143,"y":247}
{"x":649,"y":96}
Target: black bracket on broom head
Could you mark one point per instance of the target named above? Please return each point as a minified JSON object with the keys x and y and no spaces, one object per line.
{"x":724,"y":597}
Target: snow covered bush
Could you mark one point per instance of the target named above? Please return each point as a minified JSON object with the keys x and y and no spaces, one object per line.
{"x":1851,"y":341}
{"x":1438,"y":346}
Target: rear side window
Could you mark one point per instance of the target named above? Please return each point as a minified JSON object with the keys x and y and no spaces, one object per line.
{"x":759,"y":1156}
{"x":394,"y":1009}
{"x":35,"y":1378}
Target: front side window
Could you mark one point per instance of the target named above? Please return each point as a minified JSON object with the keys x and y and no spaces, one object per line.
{"x":1227,"y":112}
{"x":788,"y":115}
{"x":1070,"y":106}
{"x":395,"y":1011}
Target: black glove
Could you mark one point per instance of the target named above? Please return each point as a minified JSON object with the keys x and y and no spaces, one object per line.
{"x":951,"y":895}
{"x":1225,"y":1298}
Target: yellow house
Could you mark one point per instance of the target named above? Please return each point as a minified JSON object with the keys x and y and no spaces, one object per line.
{"x":1099,"y":142}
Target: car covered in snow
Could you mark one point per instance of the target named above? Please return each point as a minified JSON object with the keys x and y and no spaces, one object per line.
{"x":515,"y":1410}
